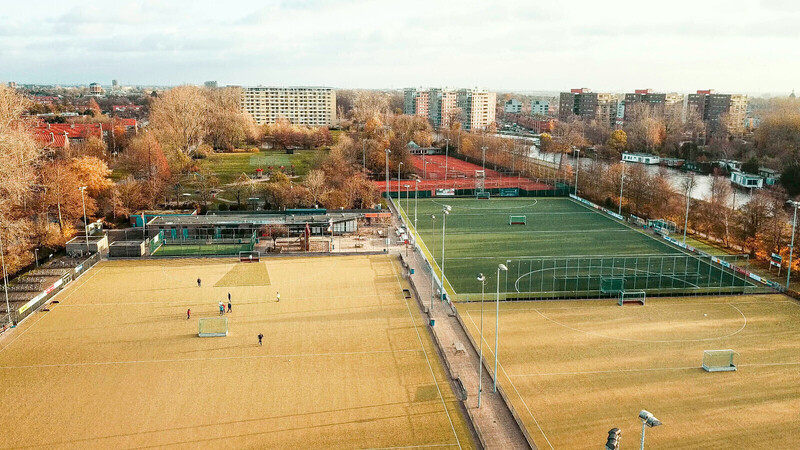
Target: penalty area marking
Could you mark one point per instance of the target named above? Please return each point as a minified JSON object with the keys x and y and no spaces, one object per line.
{"x":516,"y":283}
{"x":495,"y":208}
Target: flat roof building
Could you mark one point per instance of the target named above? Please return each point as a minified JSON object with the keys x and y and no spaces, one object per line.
{"x":314,"y":106}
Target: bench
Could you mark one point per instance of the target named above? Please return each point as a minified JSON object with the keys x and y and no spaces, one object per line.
{"x":460,"y":348}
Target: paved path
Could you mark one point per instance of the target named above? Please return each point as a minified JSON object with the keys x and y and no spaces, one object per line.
{"x":493,"y":420}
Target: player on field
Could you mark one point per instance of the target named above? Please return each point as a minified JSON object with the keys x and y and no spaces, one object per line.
{"x":221,"y":308}
{"x":188,"y":314}
{"x":198,"y":282}
{"x":260,"y":336}
{"x":278,"y":295}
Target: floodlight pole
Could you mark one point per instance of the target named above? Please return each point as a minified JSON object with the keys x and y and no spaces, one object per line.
{"x":482,"y":279}
{"x":689,"y":185}
{"x":791,"y":246}
{"x":85,"y":222}
{"x":416,"y":195}
{"x":483,"y":152}
{"x":5,"y":280}
{"x":446,"y":152}
{"x":445,"y":212}
{"x":644,"y":427}
{"x":387,"y":174}
{"x":577,"y":162}
{"x":433,"y":257}
{"x":400,"y":164}
{"x":364,"y":153}
{"x":497,"y":322}
{"x":407,"y":186}
{"x":621,"y":184}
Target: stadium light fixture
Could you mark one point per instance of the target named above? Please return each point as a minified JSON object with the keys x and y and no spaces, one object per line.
{"x":85,"y":222}
{"x":445,"y":212}
{"x":482,"y":279}
{"x":791,"y":246}
{"x":497,"y":322}
{"x":648,"y":420}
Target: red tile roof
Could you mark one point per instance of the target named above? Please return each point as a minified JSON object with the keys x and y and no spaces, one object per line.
{"x":51,"y":139}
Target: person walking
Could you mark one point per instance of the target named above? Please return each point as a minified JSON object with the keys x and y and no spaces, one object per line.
{"x":221,"y":309}
{"x":229,"y":296}
{"x":260,"y":337}
{"x":278,"y":295}
{"x":188,"y":314}
{"x":198,"y":282}
{"x":229,"y":306}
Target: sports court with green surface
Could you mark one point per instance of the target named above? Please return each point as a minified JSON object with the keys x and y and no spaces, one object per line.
{"x":346,"y":361}
{"x":562,"y":249}
{"x":572,"y":370}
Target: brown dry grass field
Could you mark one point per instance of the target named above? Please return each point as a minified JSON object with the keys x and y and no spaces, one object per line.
{"x":574,"y":370}
{"x":346,"y":361}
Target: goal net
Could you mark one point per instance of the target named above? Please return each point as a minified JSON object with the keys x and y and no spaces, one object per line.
{"x":636,"y":296}
{"x":517,"y":220}
{"x":249,"y":256}
{"x":719,"y":360}
{"x":612,"y":285}
{"x":213,"y":326}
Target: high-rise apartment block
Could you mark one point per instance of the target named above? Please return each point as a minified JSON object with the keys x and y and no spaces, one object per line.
{"x":314,"y":106}
{"x":713,"y":108}
{"x":540,"y":108}
{"x":474,"y":108}
{"x":588,"y":105}
{"x":670,"y":105}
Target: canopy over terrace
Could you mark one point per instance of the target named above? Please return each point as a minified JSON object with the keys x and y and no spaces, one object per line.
{"x":320,"y":224}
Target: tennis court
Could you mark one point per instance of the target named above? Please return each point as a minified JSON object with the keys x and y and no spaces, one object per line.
{"x":575,"y":369}
{"x":346,"y":361}
{"x":557,"y":248}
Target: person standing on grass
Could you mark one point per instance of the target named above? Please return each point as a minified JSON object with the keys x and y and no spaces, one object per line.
{"x":221,"y":309}
{"x":278,"y":295}
{"x":260,"y":337}
{"x":188,"y":313}
{"x":198,"y":282}
{"x":229,"y":297}
{"x":229,"y":306}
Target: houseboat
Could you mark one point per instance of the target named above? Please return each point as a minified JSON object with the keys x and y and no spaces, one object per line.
{"x":641,"y":158}
{"x":747,"y":180}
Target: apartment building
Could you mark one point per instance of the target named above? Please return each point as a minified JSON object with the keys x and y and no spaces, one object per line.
{"x":540,"y":108}
{"x":713,"y":107}
{"x":474,"y":108}
{"x":588,"y":105}
{"x":513,"y":106}
{"x":667,"y":104}
{"x":314,"y":106}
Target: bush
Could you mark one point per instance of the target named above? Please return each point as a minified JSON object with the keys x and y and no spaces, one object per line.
{"x":223,"y":207}
{"x":203,"y":151}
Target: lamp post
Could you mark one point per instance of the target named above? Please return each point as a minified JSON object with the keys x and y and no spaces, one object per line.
{"x":445,"y":212}
{"x":407,"y":186}
{"x":433,"y":256}
{"x":791,"y":246}
{"x":577,"y":162}
{"x":387,"y":173}
{"x":446,"y":152}
{"x":482,"y":279}
{"x":648,"y":420}
{"x":85,"y":222}
{"x":5,"y":280}
{"x":497,"y":322}
{"x":689,"y":186}
{"x":621,"y":184}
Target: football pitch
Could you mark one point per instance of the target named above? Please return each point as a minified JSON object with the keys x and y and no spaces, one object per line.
{"x":564,"y":249}
{"x":346,"y":360}
{"x":575,"y":369}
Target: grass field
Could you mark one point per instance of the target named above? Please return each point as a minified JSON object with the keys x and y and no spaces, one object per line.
{"x":228,"y":167}
{"x":575,"y":237}
{"x":201,"y":249}
{"x":573,"y":370}
{"x":346,"y":360}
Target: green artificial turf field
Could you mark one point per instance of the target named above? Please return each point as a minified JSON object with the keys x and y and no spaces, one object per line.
{"x":564,"y":249}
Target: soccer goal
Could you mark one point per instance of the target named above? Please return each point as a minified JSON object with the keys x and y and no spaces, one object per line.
{"x":612,"y":285}
{"x":719,"y":360}
{"x":249,"y":256}
{"x":517,"y":220}
{"x":213,"y":326}
{"x":630,"y":297}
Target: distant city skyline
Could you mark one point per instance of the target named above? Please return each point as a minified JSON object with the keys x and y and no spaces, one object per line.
{"x":732,"y":46}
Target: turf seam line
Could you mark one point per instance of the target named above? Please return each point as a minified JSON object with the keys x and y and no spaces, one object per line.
{"x":500,"y":365}
{"x":424,"y":352}
{"x":220,"y":358}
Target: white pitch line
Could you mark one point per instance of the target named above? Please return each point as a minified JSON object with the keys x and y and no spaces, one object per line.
{"x":412,"y":446}
{"x":424,"y":352}
{"x":512,"y":385}
{"x":595,"y":372}
{"x":220,"y":358}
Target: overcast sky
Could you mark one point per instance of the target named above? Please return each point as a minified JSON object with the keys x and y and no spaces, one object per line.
{"x":732,"y":46}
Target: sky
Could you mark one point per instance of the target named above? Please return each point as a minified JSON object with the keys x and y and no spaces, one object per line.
{"x":513,"y":45}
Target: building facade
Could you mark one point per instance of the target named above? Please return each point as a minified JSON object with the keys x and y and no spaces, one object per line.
{"x":540,"y":108}
{"x":588,"y":105}
{"x":713,"y":109}
{"x":313,"y":106}
{"x":473,"y":108}
{"x":513,"y":106}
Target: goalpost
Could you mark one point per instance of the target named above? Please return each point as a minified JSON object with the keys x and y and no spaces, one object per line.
{"x":634,"y":296}
{"x":518,"y":220}
{"x":213,"y":327}
{"x":612,"y":285}
{"x":249,"y":256}
{"x":719,"y":360}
